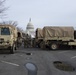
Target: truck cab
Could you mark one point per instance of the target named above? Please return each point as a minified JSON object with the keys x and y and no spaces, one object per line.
{"x":8,"y":37}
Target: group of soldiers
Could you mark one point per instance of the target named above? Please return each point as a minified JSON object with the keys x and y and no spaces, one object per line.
{"x":27,"y":41}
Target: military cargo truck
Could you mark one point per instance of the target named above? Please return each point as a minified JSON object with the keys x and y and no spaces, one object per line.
{"x":8,"y":37}
{"x":54,"y":37}
{"x":38,"y":37}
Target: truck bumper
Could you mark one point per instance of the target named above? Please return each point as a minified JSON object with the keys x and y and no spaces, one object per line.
{"x":5,"y":46}
{"x":72,"y":43}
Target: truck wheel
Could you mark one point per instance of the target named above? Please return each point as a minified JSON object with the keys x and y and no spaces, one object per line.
{"x":54,"y":46}
{"x":12,"y":50}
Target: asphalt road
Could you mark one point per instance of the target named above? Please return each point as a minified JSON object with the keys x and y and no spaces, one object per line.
{"x":15,"y":64}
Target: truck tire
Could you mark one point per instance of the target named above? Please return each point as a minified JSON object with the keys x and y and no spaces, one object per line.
{"x":12,"y":49}
{"x":54,"y":46}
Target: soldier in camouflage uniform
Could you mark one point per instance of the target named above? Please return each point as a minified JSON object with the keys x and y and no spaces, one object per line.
{"x":27,"y":41}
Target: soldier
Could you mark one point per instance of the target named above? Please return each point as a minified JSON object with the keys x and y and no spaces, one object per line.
{"x":33,"y":42}
{"x":27,"y":41}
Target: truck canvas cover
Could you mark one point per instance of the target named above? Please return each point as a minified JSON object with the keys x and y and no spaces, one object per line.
{"x":39,"y":33}
{"x":50,"y":31}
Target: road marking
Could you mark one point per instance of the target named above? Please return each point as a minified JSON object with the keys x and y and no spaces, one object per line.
{"x":10,"y":63}
{"x":63,"y":51}
{"x":73,"y":57}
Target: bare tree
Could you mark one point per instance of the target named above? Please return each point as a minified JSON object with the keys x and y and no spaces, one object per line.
{"x":14,"y":23}
{"x":2,"y":8}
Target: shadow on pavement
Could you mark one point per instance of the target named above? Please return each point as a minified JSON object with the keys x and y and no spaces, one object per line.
{"x":4,"y":52}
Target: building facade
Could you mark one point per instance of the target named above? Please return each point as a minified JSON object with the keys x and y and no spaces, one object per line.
{"x":30,"y":29}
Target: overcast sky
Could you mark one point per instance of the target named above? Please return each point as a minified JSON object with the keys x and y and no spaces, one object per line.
{"x":42,"y":12}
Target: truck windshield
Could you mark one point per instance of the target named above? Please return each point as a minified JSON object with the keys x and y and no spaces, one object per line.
{"x":5,"y":31}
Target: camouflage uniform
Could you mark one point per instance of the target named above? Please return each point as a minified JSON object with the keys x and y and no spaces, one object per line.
{"x":27,"y":41}
{"x":19,"y":41}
